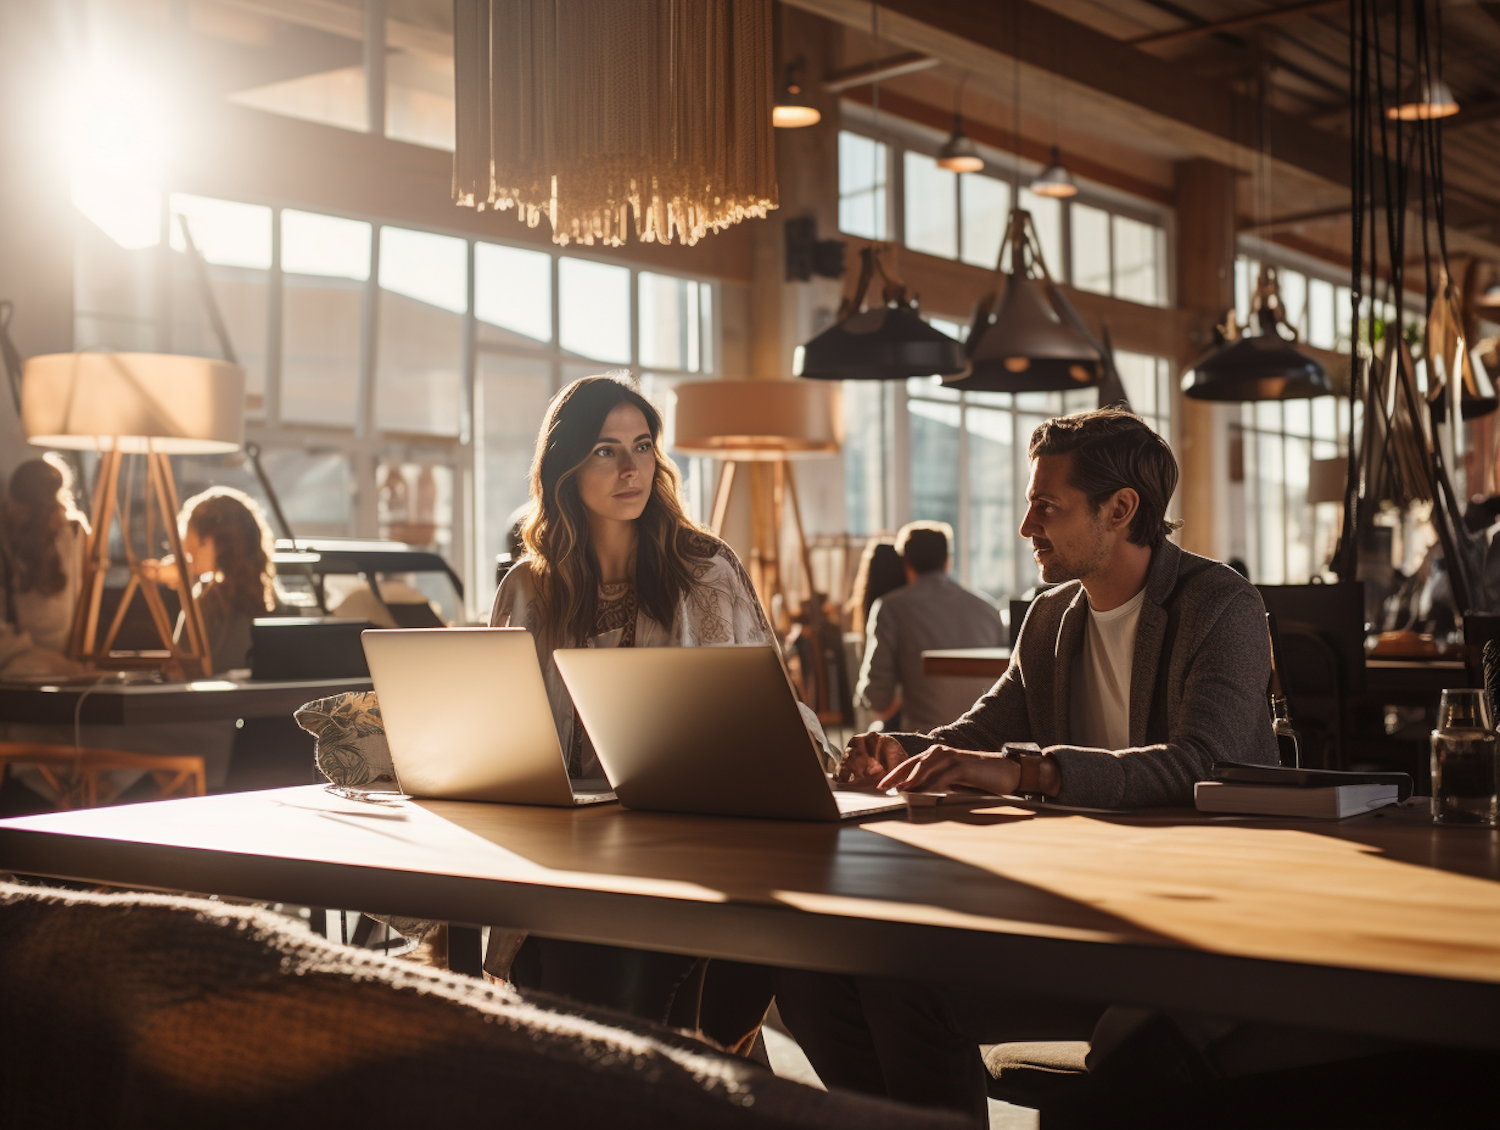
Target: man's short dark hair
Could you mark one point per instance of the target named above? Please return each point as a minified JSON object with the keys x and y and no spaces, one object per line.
{"x":924,"y":545}
{"x":1113,"y":449}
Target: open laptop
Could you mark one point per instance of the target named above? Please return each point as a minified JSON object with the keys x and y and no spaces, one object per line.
{"x":467,"y":718}
{"x":710,"y":730}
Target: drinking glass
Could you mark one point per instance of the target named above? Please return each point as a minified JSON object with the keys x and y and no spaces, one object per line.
{"x":1465,"y":750}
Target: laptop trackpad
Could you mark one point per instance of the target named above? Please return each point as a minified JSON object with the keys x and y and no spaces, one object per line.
{"x":853,"y":803}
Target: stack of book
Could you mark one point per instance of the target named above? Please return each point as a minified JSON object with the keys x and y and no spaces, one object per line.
{"x":1271,"y":790}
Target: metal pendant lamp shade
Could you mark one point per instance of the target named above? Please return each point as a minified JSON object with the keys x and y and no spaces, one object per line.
{"x":887,"y":343}
{"x":959,"y":154}
{"x":1055,"y":180}
{"x":1027,"y":348}
{"x":1423,"y":100}
{"x":1264,"y":367}
{"x":791,"y":109}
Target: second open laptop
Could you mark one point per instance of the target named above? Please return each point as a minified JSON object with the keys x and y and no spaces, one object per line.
{"x":467,"y":718}
{"x":710,"y":730}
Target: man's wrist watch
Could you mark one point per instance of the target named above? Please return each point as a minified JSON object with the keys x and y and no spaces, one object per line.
{"x":1031,"y":761}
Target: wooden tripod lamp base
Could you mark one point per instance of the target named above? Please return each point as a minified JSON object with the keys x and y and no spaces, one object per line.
{"x":187,"y":650}
{"x":146,"y":404}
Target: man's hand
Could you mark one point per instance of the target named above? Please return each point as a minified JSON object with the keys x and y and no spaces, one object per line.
{"x":942,"y":770}
{"x":868,"y":758}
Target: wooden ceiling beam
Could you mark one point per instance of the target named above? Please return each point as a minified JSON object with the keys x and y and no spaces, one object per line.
{"x":1194,"y":31}
{"x":1125,"y":87}
{"x":1129,"y":92}
{"x":878,"y":70}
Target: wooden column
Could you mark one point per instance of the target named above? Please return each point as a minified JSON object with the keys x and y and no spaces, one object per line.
{"x":1205,"y":290}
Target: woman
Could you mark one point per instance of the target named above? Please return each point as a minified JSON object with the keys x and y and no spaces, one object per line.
{"x":880,"y":571}
{"x":228,"y":546}
{"x":45,"y":539}
{"x":612,"y":560}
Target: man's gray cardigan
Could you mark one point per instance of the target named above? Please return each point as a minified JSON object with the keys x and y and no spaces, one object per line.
{"x":1197,"y":688}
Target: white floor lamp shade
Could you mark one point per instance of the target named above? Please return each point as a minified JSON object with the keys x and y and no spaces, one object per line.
{"x":133,"y":403}
{"x":757,"y":420}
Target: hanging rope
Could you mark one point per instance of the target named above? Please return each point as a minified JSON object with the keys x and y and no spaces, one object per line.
{"x":600,"y":117}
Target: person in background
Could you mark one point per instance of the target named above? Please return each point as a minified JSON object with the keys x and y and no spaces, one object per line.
{"x":930,"y":611}
{"x":880,"y":571}
{"x":44,"y":541}
{"x":228,"y":546}
{"x":612,"y":560}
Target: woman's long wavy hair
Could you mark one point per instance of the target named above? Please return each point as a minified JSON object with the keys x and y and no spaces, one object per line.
{"x":40,"y":504}
{"x":242,"y":546}
{"x":564,"y":566}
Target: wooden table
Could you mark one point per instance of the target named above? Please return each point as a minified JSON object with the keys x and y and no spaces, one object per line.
{"x":972,"y":662}
{"x":1412,"y":682}
{"x":1382,"y":924}
{"x":203,"y":700}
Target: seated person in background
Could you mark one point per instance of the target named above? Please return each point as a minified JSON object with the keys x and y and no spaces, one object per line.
{"x":880,"y":571}
{"x":1140,"y":669}
{"x":612,"y":560}
{"x":44,"y":542}
{"x":930,"y":611}
{"x":228,"y":548}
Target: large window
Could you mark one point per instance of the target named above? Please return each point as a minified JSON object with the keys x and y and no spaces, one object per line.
{"x":864,"y":168}
{"x":964,"y":460}
{"x":419,"y":358}
{"x":920,"y":450}
{"x":386,"y":402}
{"x":325,"y":271}
{"x":1285,"y":536}
{"x":1288,"y":537}
{"x":1089,"y":242}
{"x":235,"y":242}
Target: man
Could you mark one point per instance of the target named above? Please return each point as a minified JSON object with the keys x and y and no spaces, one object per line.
{"x":1139,"y":670}
{"x":931,"y":611}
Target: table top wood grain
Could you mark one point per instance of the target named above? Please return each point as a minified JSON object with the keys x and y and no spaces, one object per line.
{"x":1384,"y":922}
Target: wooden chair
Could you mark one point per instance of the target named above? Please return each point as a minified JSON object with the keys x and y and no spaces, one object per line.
{"x":78,"y":773}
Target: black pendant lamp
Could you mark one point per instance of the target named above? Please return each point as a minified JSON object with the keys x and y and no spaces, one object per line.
{"x":1264,"y":366}
{"x":888,"y":342}
{"x":1024,"y":346}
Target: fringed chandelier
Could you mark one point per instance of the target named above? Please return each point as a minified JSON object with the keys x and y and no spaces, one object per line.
{"x":599,"y":114}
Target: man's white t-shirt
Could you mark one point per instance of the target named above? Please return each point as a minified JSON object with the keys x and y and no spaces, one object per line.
{"x":1100,"y":710}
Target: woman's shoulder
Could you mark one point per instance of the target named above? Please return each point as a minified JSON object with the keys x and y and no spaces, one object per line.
{"x":705,"y":550}
{"x":517,"y":590}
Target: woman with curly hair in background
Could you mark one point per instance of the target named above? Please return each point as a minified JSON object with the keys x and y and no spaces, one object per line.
{"x":228,"y":546}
